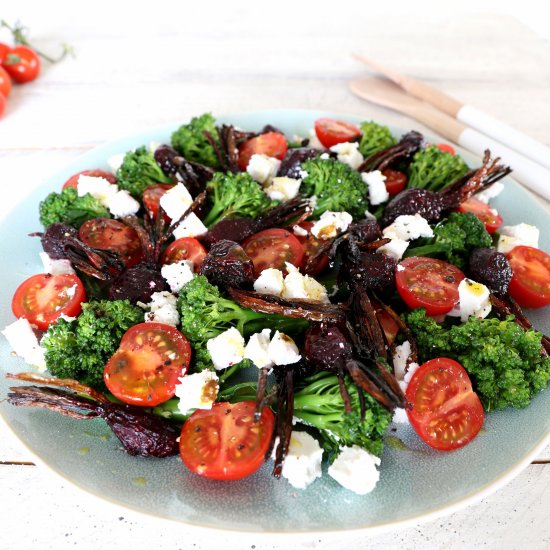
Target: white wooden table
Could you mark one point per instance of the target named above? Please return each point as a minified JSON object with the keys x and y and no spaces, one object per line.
{"x":138,"y":68}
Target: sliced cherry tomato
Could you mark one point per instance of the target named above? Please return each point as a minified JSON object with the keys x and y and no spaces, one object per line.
{"x":395,"y":182}
{"x":446,"y":148}
{"x":96,"y":173}
{"x":5,"y":83}
{"x":311,"y":244}
{"x":331,"y":132}
{"x":3,"y":103}
{"x":530,"y":284}
{"x":429,"y":283}
{"x":225,"y":442}
{"x":4,"y":50}
{"x":489,"y":216}
{"x":272,"y":144}
{"x":151,"y":198}
{"x":147,"y":365}
{"x":446,"y":413}
{"x":273,"y":248}
{"x":22,"y":63}
{"x":107,"y":234}
{"x":43,"y":298}
{"x":186,"y":248}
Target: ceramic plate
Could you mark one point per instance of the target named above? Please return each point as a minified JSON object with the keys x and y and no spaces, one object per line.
{"x":416,"y":483}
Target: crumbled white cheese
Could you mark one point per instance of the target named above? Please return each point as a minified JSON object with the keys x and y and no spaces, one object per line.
{"x":24,"y":343}
{"x":324,"y":156}
{"x":331,"y":224}
{"x":356,"y":470}
{"x":257,"y":349}
{"x":270,"y":281}
{"x":122,"y":204}
{"x":100,"y":188}
{"x":55,"y":267}
{"x":115,"y":162}
{"x":178,"y":274}
{"x":301,"y":286}
{"x":408,"y":228}
{"x":395,"y":248}
{"x":162,"y":309}
{"x":282,"y":188}
{"x":400,"y":415}
{"x":473,"y":301}
{"x":226,"y":349}
{"x":197,"y":391}
{"x":402,"y":353}
{"x":282,"y":350}
{"x":349,"y":154}
{"x":490,"y":193}
{"x":191,"y":226}
{"x":314,"y":142}
{"x":263,"y":168}
{"x":176,"y":201}
{"x":302,"y":465}
{"x":299,"y":231}
{"x":377,"y":186}
{"x":516,"y":235}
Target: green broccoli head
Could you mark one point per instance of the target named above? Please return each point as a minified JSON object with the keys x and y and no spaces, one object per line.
{"x":190,"y":141}
{"x":69,"y":208}
{"x":434,"y":169}
{"x":318,"y":403}
{"x":80,"y":349}
{"x":235,"y":195}
{"x":503,"y":360}
{"x":337,"y":187}
{"x":375,"y":137}
{"x":139,"y":170}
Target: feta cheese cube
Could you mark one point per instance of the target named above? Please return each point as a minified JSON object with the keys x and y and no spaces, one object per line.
{"x":299,"y":231}
{"x":257,"y":349}
{"x":24,"y":343}
{"x":282,"y":188}
{"x":356,"y":469}
{"x":197,"y":391}
{"x":226,"y":349}
{"x":263,"y":168}
{"x":162,"y":309}
{"x":377,"y":186}
{"x":270,"y":281}
{"x":178,"y":274}
{"x":473,"y":301}
{"x":395,"y":248}
{"x":301,"y":286}
{"x":122,"y":204}
{"x":402,"y":353}
{"x":331,"y":224}
{"x":302,"y":465}
{"x":55,"y":267}
{"x":490,"y":193}
{"x":115,"y":162}
{"x":100,"y":188}
{"x":282,"y":350}
{"x":516,"y":235}
{"x":191,"y":226}
{"x":408,"y":228}
{"x":176,"y":201}
{"x":349,"y":154}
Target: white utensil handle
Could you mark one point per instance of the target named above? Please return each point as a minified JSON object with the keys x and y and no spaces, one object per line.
{"x":529,"y":173}
{"x":516,"y":140}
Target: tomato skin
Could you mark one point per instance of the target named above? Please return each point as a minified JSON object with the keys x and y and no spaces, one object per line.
{"x":395,"y":182}
{"x":5,"y":83}
{"x":186,"y":248}
{"x":272,"y":248}
{"x":446,"y":148}
{"x":331,"y":131}
{"x":224,"y":442}
{"x":146,"y":367}
{"x":446,"y":413}
{"x":43,"y":298}
{"x":490,"y":217}
{"x":3,"y":103}
{"x":95,"y":173}
{"x":311,"y":244}
{"x":4,"y":50}
{"x":530,"y":283}
{"x":272,"y":144}
{"x":22,"y":63}
{"x":151,"y":198}
{"x":428,"y":283}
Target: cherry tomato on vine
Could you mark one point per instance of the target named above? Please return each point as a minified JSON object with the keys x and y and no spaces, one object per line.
{"x":331,"y":132}
{"x":272,"y":144}
{"x":5,"y":82}
{"x":22,"y":63}
{"x":530,"y":284}
{"x":95,"y":173}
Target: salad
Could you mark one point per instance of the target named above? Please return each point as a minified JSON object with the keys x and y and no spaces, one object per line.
{"x":238,"y":297}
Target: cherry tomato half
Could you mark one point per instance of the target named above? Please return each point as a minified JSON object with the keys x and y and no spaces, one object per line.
{"x":22,"y":63}
{"x":272,"y":248}
{"x":530,"y":284}
{"x":147,"y":365}
{"x":272,"y":144}
{"x":151,"y":198}
{"x":489,"y":216}
{"x":311,"y":244}
{"x":395,"y":182}
{"x":96,"y":173}
{"x":331,"y":132}
{"x":429,"y":283}
{"x":446,"y":413}
{"x":107,"y":234}
{"x":5,"y":82}
{"x":446,"y":148}
{"x":43,"y":298}
{"x":225,"y":442}
{"x":186,"y":248}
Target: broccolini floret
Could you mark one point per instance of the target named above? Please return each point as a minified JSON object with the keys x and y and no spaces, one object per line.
{"x":336,"y":186}
{"x":69,"y":208}
{"x":139,"y":170}
{"x":234,"y":195}
{"x":190,"y":141}
{"x":503,"y":360}
{"x":375,"y":137}
{"x":80,"y":349}
{"x":454,"y":239}
{"x":434,"y":169}
{"x":318,"y":403}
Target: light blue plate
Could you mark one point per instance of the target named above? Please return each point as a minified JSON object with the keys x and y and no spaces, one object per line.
{"x":415,"y":484}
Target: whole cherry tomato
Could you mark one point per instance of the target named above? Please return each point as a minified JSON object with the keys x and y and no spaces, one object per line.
{"x":22,"y":63}
{"x":3,"y":103}
{"x":4,"y":50}
{"x":5,"y":82}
